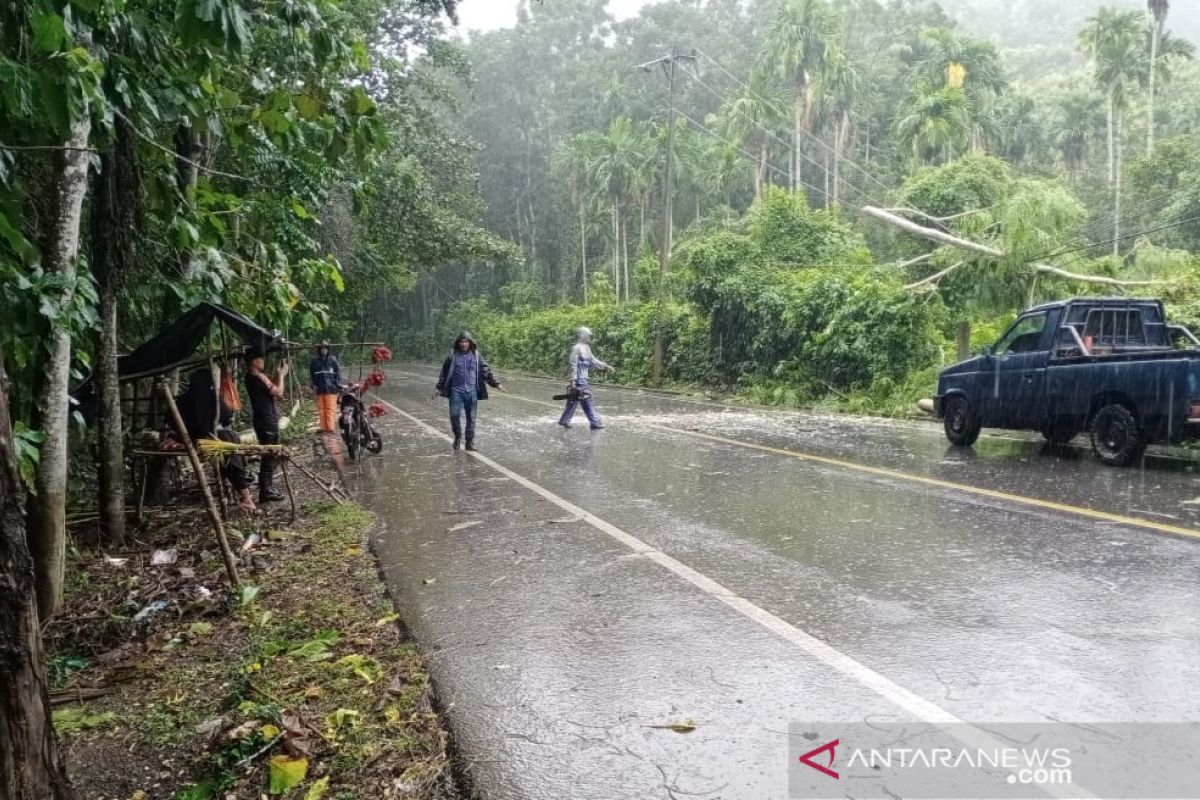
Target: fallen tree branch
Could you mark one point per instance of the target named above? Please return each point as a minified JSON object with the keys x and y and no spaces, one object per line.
{"x":1095,"y":278}
{"x":937,"y":276}
{"x":912,"y":262}
{"x":958,"y":242}
{"x":78,"y":695}
{"x":932,"y":234}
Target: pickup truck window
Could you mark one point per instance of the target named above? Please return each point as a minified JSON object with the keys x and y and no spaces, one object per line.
{"x":1023,"y":337}
{"x":1115,"y":326}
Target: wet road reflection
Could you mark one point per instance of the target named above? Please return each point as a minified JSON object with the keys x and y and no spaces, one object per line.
{"x":541,"y":626}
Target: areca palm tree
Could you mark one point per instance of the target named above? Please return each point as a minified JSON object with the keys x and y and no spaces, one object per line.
{"x":573,"y":162}
{"x":952,"y":60}
{"x":750,"y":119}
{"x":1078,"y":115}
{"x":1019,"y":132}
{"x":936,"y":125}
{"x":798,"y":45}
{"x":841,"y":85}
{"x":1158,"y":21}
{"x":617,"y":156}
{"x":1113,"y":41}
{"x":1163,"y":49}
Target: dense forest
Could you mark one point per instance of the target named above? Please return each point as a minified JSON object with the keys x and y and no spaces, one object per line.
{"x":1067,"y":150}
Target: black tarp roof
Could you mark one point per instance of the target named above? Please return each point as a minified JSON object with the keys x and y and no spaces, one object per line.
{"x":179,"y":340}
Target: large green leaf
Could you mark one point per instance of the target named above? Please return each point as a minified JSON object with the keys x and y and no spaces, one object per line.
{"x":287,"y":773}
{"x":50,"y":33}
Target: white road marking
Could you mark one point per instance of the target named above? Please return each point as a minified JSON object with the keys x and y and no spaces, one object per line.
{"x":914,"y":704}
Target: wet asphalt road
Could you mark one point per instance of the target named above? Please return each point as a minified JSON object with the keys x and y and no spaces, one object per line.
{"x":558,"y":647}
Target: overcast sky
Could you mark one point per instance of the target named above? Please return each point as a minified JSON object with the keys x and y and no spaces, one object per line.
{"x":491,"y":14}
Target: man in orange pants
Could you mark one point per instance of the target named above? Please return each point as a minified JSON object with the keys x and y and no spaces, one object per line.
{"x":326,"y":376}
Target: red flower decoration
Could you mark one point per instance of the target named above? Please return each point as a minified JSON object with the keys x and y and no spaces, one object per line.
{"x":380,"y":355}
{"x":376,"y":410}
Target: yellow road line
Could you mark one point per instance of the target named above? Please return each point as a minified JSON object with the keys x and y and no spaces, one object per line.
{"x":1048,"y":505}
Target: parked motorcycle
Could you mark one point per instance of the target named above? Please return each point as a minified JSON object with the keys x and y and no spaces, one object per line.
{"x":354,"y":420}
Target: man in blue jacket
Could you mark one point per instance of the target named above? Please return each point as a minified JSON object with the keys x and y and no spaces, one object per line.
{"x":463,"y":381}
{"x":325,"y":373}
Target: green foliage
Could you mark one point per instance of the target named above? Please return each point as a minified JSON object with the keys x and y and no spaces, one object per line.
{"x":968,"y":184}
{"x":787,"y":232}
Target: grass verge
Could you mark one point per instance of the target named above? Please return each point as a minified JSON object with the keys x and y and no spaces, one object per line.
{"x":300,"y":685}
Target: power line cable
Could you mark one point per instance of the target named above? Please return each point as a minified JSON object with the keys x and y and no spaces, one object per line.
{"x":783,"y":112}
{"x":725,"y":101}
{"x":1104,"y":242}
{"x":755,"y":159}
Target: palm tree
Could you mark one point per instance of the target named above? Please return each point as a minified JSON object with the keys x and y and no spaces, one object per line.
{"x":936,"y":125}
{"x":797,"y":47}
{"x":1079,"y":114}
{"x":750,"y":119}
{"x":1158,"y":20}
{"x":573,"y":160}
{"x":945,"y":58}
{"x":1163,"y":49}
{"x":617,"y":156}
{"x":1113,"y":41}
{"x":1019,"y":133}
{"x":841,"y":85}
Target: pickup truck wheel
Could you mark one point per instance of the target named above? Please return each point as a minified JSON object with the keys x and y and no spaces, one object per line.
{"x":1116,"y":436}
{"x":961,"y":422}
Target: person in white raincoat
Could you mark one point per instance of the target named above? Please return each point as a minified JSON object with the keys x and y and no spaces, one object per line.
{"x":579,"y":393}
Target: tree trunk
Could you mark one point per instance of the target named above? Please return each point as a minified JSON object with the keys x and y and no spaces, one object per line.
{"x":583,"y":250}
{"x":760,"y":173}
{"x":616,"y":215}
{"x":826,"y":171}
{"x":963,"y":340}
{"x":1112,"y":153}
{"x":31,"y":767}
{"x":1117,"y":189}
{"x":642,"y":222}
{"x":838,"y":145}
{"x":1155,"y":40}
{"x":798,"y":125}
{"x":625,"y":256}
{"x":113,"y":219}
{"x":110,"y":434}
{"x":47,"y":518}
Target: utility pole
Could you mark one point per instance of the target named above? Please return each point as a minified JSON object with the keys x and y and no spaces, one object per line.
{"x":669,"y":64}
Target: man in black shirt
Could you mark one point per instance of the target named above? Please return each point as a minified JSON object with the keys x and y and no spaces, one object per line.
{"x":263,"y":394}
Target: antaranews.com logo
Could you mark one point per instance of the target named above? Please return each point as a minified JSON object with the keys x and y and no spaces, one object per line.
{"x":915,"y":760}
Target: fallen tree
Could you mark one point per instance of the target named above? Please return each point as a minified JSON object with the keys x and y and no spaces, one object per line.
{"x":950,"y":240}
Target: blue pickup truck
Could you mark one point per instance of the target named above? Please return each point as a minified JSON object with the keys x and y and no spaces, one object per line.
{"x":1111,"y":367}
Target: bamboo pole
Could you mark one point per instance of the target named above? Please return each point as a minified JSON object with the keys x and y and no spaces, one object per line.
{"x":327,"y":489}
{"x":287,"y":483}
{"x":202,"y":478}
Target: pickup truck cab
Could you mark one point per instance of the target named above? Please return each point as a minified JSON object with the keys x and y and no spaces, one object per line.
{"x":1112,"y":367}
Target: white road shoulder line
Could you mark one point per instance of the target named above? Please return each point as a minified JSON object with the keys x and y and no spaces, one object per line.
{"x":914,"y":704}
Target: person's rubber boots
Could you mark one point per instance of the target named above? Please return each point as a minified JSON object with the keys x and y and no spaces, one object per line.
{"x":270,"y":496}
{"x":471,"y":445}
{"x":457,"y":443}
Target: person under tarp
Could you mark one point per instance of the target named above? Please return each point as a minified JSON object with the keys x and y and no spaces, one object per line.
{"x":263,"y":392}
{"x":199,"y":408}
{"x":177,"y":343}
